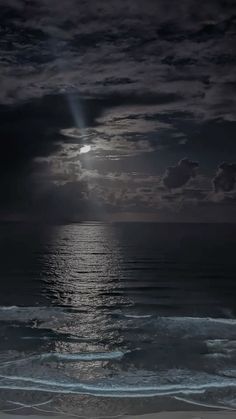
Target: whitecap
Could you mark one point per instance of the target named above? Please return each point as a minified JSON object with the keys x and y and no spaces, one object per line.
{"x":86,"y":356}
{"x":67,"y":357}
{"x":221,"y":347}
{"x":119,"y":387}
{"x":25,"y":314}
{"x":136,"y":316}
{"x":5,"y":308}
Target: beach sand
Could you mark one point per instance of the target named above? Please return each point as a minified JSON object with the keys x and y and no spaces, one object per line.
{"x":188,"y":415}
{"x":161,"y":415}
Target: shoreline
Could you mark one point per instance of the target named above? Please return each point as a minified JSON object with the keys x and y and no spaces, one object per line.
{"x":191,"y":414}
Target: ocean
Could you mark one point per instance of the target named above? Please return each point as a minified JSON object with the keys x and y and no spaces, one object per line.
{"x":109,"y":319}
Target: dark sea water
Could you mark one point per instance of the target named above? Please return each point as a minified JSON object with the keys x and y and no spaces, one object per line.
{"x":103,"y":320}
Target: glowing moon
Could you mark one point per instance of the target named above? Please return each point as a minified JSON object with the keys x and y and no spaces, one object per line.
{"x":85,"y":149}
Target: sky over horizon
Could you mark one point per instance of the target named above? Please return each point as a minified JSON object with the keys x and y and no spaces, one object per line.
{"x":118,"y":110}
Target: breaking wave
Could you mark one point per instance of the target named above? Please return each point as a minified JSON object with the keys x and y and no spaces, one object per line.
{"x":188,"y":385}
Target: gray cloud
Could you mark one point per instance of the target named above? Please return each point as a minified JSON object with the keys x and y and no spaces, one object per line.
{"x":144,"y":83}
{"x":178,"y":176}
{"x":225,"y":179}
{"x":69,"y":46}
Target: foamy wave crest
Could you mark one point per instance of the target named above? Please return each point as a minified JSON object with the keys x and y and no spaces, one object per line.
{"x":93,"y":356}
{"x":24,"y":314}
{"x":66,"y":357}
{"x":136,"y":316}
{"x":201,"y":319}
{"x":180,"y":320}
{"x":225,"y":405}
{"x":123,"y":386}
{"x":5,"y":308}
{"x":221,"y":347}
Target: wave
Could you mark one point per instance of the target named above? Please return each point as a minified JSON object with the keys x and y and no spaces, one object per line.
{"x":5,"y":308}
{"x":22,"y":313}
{"x":31,"y":308}
{"x":67,"y":357}
{"x":226,"y":372}
{"x":86,"y":356}
{"x":208,"y":405}
{"x":200,"y":319}
{"x":223,"y":344}
{"x":221,"y":347}
{"x":110,"y":388}
{"x":69,"y":338}
{"x":179,"y":319}
{"x":134,"y":316}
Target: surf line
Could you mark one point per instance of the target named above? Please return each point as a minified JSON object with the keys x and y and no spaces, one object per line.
{"x":182,"y":399}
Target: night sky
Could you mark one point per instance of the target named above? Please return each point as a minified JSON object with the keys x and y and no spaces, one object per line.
{"x":118,"y":110}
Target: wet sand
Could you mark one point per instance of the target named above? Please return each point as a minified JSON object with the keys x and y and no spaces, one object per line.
{"x":188,"y":415}
{"x":161,"y":415}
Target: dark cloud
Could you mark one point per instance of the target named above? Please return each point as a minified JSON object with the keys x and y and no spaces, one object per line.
{"x":32,"y":129}
{"x":143,"y":83}
{"x":225,"y":179}
{"x":162,"y":46}
{"x":186,"y":195}
{"x":178,"y":176}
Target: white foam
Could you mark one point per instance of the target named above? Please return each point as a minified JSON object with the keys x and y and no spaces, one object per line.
{"x":200,"y":319}
{"x":221,"y":347}
{"x":184,"y":319}
{"x":211,"y":406}
{"x":5,"y":308}
{"x":134,"y":316}
{"x":67,"y":357}
{"x":20,"y":313}
{"x":221,"y":343}
{"x":86,"y":356}
{"x":25,"y":314}
{"x":113,"y":389}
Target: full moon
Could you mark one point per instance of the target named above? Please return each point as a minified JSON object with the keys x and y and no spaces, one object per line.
{"x":85,"y":149}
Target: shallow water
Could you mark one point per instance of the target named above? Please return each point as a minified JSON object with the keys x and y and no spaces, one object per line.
{"x":109,"y":319}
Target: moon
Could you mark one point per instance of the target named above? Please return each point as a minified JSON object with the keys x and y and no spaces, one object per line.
{"x":85,"y":149}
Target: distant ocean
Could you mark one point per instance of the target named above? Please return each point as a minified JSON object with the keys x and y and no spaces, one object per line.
{"x":106,"y":319}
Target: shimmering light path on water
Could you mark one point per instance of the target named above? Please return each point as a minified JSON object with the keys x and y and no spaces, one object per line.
{"x":97,"y":315}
